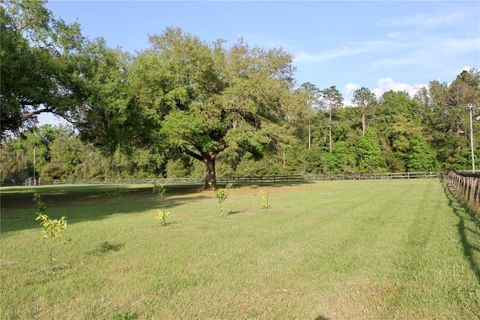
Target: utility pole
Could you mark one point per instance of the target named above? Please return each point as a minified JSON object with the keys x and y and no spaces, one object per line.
{"x":34,"y":165}
{"x":470,"y":107}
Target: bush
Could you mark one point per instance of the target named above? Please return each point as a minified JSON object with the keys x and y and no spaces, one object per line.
{"x":159,"y":191}
{"x":222,"y":195}
{"x":161,"y":216}
{"x":265,"y":204}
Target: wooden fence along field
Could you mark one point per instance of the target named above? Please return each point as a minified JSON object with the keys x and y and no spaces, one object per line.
{"x":466,"y":186}
{"x":262,"y":179}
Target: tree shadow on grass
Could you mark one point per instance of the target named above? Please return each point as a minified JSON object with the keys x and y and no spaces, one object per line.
{"x":255,"y":185}
{"x":19,"y":213}
{"x":464,"y":213}
{"x":232,"y":212}
{"x":106,"y":247}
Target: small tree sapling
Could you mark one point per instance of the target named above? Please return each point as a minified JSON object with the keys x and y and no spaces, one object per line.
{"x":53,"y":229}
{"x":265,"y":204}
{"x":222,"y":195}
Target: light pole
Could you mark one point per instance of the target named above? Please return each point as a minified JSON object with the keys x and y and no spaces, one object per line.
{"x":470,"y":107}
{"x":34,"y":165}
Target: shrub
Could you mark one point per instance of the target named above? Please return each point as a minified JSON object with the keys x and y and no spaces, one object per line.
{"x":158,"y":190}
{"x":161,"y":216}
{"x":222,"y":195}
{"x":264,"y":197}
{"x":53,"y":229}
{"x":125,"y":315}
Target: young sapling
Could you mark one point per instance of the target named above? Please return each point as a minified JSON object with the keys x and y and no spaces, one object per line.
{"x":52,"y":229}
{"x":159,"y":191}
{"x":161,"y":216}
{"x":265,"y":204}
{"x":222,"y":195}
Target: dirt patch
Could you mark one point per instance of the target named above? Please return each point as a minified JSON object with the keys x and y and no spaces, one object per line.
{"x":4,"y":262}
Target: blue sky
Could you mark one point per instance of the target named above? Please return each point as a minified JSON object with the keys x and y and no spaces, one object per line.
{"x":381,"y":45}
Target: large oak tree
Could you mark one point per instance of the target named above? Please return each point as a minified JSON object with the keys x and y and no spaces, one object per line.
{"x":197,"y":98}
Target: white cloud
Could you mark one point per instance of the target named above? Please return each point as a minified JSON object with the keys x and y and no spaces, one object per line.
{"x":348,"y":103}
{"x":387,"y":84}
{"x":428,"y":20}
{"x":350,"y":49}
{"x":264,"y":40}
{"x":432,"y":51}
{"x":303,"y":57}
{"x":350,"y":88}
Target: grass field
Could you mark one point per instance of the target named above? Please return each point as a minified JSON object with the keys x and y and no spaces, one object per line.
{"x":330,"y":250}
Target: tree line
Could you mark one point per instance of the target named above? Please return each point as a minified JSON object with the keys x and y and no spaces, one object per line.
{"x":187,"y":107}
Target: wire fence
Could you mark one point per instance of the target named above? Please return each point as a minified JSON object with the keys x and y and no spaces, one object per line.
{"x":466,"y":186}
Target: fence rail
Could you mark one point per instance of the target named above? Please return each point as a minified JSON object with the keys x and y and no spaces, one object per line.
{"x":243,"y":179}
{"x":465,"y":186}
{"x":375,"y":176}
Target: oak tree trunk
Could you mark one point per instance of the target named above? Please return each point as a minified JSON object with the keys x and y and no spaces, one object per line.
{"x":210,"y":175}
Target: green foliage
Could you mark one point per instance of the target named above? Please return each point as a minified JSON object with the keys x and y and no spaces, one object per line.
{"x":40,"y":64}
{"x":53,"y":229}
{"x":342,"y":159}
{"x":265,"y":204}
{"x":161,"y":216}
{"x":371,"y":155}
{"x":177,"y":169}
{"x":237,"y":97}
{"x":421,"y":157}
{"x":222,"y":195}
{"x":187,"y":99}
{"x":113,"y":193}
{"x":158,"y":190}
{"x":125,"y":315}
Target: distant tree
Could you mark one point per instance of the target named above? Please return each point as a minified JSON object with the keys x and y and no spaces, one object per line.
{"x":343,"y":158}
{"x":311,"y":94}
{"x":177,"y":169}
{"x":331,"y":98}
{"x":371,"y":156}
{"x":363,"y":98}
{"x":421,"y":157}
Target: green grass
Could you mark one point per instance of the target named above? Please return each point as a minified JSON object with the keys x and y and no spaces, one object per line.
{"x":336,"y":250}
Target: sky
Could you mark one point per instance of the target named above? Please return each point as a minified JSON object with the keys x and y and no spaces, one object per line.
{"x":382,"y":45}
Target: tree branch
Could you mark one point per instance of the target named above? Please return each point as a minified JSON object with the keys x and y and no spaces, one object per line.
{"x":28,"y":115}
{"x":193,"y":154}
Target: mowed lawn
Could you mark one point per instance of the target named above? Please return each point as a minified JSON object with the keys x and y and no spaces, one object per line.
{"x":329,"y":250}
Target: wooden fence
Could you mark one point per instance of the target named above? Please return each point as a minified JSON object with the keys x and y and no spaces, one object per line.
{"x":465,"y":186}
{"x":375,"y":176}
{"x":262,"y":179}
{"x":244,"y":179}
